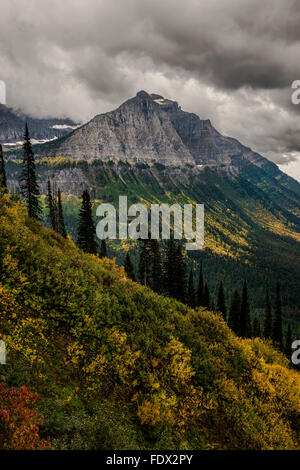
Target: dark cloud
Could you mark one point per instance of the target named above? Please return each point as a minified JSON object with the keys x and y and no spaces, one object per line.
{"x":231,"y":60}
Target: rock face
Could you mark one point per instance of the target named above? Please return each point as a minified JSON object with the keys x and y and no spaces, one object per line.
{"x":151,"y":128}
{"x":12,"y":126}
{"x":139,"y":130}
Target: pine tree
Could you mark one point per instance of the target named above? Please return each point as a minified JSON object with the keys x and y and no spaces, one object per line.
{"x":277,"y":326}
{"x":60,"y":217}
{"x":221,"y":305}
{"x":28,"y":180}
{"x":200,"y":289}
{"x":103,"y":250}
{"x":268,"y":318}
{"x":180,"y":273}
{"x":86,"y":227}
{"x":156,"y":268}
{"x":288,"y":342}
{"x":174,"y":271}
{"x":128,"y":266}
{"x":168,"y":270}
{"x":3,"y":181}
{"x":191,"y":290}
{"x":245,"y":322}
{"x":234,"y":317}
{"x":145,"y":263}
{"x":256,"y":331}
{"x":206,"y":296}
{"x":51,"y":207}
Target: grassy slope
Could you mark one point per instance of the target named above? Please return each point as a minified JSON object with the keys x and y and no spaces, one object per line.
{"x":117,"y":366}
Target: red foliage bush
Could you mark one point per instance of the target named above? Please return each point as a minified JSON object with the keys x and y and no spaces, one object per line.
{"x":19,"y":420}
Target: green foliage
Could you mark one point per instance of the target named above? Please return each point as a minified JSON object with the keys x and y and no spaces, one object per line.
{"x":86,"y":228}
{"x":28,"y":181}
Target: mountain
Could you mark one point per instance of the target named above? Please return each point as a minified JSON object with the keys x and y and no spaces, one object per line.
{"x":116,"y":366}
{"x":151,"y":128}
{"x":12,"y":125}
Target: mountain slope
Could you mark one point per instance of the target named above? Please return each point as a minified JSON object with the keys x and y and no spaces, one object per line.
{"x":12,"y":125}
{"x":118,"y":367}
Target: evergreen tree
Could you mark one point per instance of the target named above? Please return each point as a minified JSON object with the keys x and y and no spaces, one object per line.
{"x":234,"y":317}
{"x":191,"y":290}
{"x":156,"y":268}
{"x":174,"y":271}
{"x":86,"y":228}
{"x":206,"y":296}
{"x":60,"y":217}
{"x":103,"y":250}
{"x":200,"y":289}
{"x":145,"y":263}
{"x":180,"y":273}
{"x":3,"y":181}
{"x":268,"y":318}
{"x":221,"y":305}
{"x":128,"y":266}
{"x":245,"y":322}
{"x":28,"y":181}
{"x":256,"y":331}
{"x":51,"y":207}
{"x":277,"y":326}
{"x":288,"y":342}
{"x":212,"y":304}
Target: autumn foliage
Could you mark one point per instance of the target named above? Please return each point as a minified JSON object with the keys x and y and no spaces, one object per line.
{"x":19,"y":419}
{"x":119,"y":367}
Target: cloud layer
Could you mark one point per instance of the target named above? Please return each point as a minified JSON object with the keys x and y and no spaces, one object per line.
{"x":226,"y":60}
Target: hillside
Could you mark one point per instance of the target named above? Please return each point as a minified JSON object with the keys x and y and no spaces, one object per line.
{"x":252,"y":224}
{"x":119,"y":367}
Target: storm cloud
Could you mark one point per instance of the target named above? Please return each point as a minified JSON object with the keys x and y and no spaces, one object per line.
{"x":231,"y":61}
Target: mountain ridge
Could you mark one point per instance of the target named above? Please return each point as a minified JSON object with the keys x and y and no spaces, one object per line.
{"x":12,"y":125}
{"x":152,"y":128}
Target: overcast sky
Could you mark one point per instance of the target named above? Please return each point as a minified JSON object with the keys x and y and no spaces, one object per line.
{"x":232,"y":61}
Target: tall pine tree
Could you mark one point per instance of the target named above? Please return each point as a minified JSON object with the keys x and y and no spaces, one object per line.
{"x":221,"y":306}
{"x":256,"y":331}
{"x":180,"y":273}
{"x":156,"y":268}
{"x":277,"y":326}
{"x":234,"y":316}
{"x":28,"y":180}
{"x":60,"y":217}
{"x":103,"y":250}
{"x":3,"y":181}
{"x":206,"y":296}
{"x":86,"y":228}
{"x":145,"y":263}
{"x":51,"y":207}
{"x":288,"y":342}
{"x":268,"y":318}
{"x":191,"y":290}
{"x":200,"y":288}
{"x":245,"y":322}
{"x":128,"y":266}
